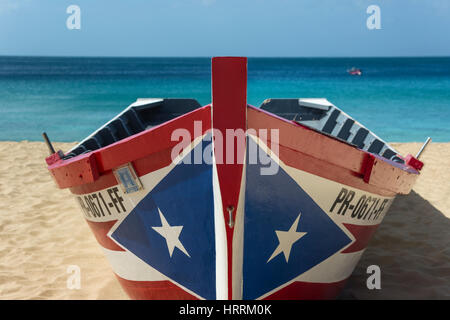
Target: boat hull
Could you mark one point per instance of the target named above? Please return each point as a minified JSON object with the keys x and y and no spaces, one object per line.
{"x":229,"y":201}
{"x":334,"y":216}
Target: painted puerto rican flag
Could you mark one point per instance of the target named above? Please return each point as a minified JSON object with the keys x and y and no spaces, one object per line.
{"x":172,"y":228}
{"x":287,"y":243}
{"x":286,"y":232}
{"x":309,"y":250}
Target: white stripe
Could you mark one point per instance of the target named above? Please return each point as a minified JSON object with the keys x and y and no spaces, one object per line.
{"x":238,"y":239}
{"x":324,"y":193}
{"x":336,"y":268}
{"x":220,"y":240}
{"x":128,"y":266}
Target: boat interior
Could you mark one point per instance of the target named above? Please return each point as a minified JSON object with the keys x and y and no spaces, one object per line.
{"x":139,"y":116}
{"x":317,"y":114}
{"x":321,"y":115}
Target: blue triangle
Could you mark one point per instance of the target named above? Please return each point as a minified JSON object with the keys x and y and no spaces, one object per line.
{"x":273,"y":202}
{"x":185,"y":198}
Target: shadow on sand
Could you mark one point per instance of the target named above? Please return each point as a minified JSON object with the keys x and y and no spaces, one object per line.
{"x":412,"y":249}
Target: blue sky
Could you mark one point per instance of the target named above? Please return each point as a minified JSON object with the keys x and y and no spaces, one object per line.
{"x":311,"y":28}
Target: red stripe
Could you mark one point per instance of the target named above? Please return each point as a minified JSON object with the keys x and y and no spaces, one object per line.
{"x":229,"y":105}
{"x":154,"y":290}
{"x":362,"y":235}
{"x":100,"y":230}
{"x":308,"y":291}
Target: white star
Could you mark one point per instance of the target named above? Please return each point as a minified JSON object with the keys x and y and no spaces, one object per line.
{"x":286,"y":239}
{"x":171,"y":234}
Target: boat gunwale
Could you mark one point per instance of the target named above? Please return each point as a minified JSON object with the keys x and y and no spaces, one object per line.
{"x":103,"y":162}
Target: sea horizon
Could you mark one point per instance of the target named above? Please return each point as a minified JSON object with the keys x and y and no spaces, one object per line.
{"x":209,"y":57}
{"x":401,"y":99}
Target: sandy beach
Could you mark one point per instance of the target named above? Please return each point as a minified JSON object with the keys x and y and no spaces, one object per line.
{"x":42,"y":233}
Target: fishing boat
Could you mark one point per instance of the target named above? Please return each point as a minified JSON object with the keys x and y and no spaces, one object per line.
{"x":232,"y":201}
{"x":355,"y":71}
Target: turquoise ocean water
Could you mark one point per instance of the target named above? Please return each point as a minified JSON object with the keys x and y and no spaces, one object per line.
{"x":400,"y":99}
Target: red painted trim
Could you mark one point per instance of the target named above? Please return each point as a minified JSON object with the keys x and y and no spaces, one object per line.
{"x":413,"y":162}
{"x":142,"y":166}
{"x":328,"y":171}
{"x":154,"y":143}
{"x":308,"y":291}
{"x":154,"y":290}
{"x":151,"y":141}
{"x":324,"y":156}
{"x":106,"y":180}
{"x":100,"y":231}
{"x":301,"y":139}
{"x":229,"y":106}
{"x":347,"y":163}
{"x":383,"y":173}
{"x":362,"y":235}
{"x":53,"y":158}
{"x":74,"y":172}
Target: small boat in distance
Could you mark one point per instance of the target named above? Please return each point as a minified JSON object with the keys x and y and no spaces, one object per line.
{"x":355,"y":71}
{"x":232,"y":201}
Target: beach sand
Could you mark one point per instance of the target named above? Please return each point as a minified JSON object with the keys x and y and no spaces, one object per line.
{"x":43,"y":233}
